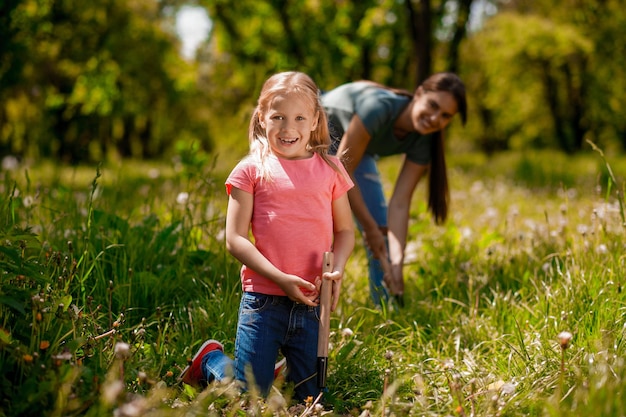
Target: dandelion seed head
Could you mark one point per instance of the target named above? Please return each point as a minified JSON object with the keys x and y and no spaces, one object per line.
{"x":135,"y":408}
{"x":447,"y":364}
{"x":564,"y":339}
{"x":64,"y":356}
{"x":182,"y":198}
{"x":602,"y":249}
{"x":347,"y":332}
{"x":28,"y":201}
{"x":10,"y":163}
{"x":122,"y":350}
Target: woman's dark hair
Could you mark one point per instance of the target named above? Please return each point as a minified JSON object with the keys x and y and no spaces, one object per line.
{"x":438,"y":191}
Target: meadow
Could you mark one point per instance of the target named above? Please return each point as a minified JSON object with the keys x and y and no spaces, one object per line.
{"x":112,"y":276}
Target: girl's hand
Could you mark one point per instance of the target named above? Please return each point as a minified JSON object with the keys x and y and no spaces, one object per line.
{"x":334,"y":279}
{"x":300,"y":290}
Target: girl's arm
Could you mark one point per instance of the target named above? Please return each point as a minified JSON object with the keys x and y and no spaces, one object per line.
{"x":343,"y":243}
{"x":398,"y":219}
{"x":238,"y":217}
{"x":351,"y":149}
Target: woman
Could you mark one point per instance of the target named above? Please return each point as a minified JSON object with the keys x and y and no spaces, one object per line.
{"x":369,"y":120}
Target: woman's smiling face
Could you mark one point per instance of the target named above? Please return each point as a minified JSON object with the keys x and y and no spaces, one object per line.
{"x":432,"y":111}
{"x":288,"y":124}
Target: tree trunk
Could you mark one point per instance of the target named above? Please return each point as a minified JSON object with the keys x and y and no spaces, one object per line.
{"x":459,"y":33}
{"x":420,"y":18}
{"x":576,"y":98}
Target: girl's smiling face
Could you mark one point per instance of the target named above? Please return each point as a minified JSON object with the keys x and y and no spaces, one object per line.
{"x":288,"y":124}
{"x":432,"y":111}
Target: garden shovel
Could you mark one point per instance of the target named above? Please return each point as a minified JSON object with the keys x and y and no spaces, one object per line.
{"x":326,"y":292}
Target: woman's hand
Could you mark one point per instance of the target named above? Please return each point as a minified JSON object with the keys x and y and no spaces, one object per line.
{"x":397,"y":280}
{"x":377,"y":244}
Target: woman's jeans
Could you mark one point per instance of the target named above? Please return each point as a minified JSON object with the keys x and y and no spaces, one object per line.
{"x":367,"y":178}
{"x":267,"y":324}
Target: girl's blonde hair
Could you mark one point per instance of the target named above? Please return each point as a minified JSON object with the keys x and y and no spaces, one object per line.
{"x":286,"y":83}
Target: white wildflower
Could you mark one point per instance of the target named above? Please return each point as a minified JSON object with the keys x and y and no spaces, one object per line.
{"x":10,"y":163}
{"x":182,"y":198}
{"x":28,"y":201}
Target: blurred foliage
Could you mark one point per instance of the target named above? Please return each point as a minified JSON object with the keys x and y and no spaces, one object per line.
{"x":545,"y":74}
{"x":86,"y":80}
{"x":89,"y":81}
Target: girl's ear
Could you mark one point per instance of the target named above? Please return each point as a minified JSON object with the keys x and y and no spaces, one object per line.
{"x":261,"y":122}
{"x":316,"y":121}
{"x":419,"y":91}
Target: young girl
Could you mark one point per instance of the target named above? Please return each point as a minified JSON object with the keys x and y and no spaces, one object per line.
{"x":293,"y":198}
{"x":370,"y":121}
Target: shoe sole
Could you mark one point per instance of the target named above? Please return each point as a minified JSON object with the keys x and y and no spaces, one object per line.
{"x":205,"y":344}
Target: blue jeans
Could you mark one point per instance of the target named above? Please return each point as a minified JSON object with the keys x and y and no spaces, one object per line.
{"x":269,"y":324}
{"x":367,"y":178}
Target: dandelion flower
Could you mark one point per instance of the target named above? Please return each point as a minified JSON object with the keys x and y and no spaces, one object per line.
{"x":564,"y":339}
{"x":182,"y":198}
{"x":347,"y":332}
{"x":122,"y":350}
{"x":10,"y":163}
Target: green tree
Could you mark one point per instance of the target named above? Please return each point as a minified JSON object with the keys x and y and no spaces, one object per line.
{"x":96,"y":78}
{"x":528,"y":74}
{"x":335,"y":42}
{"x":548,"y":73}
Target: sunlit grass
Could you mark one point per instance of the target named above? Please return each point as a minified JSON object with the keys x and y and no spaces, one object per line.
{"x":98,"y":258}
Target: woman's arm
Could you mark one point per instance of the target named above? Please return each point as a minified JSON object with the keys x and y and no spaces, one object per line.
{"x":238,"y":217}
{"x":351,"y":149}
{"x":398,"y":218}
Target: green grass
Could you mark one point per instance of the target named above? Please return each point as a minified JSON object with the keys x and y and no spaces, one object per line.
{"x":95,"y":259}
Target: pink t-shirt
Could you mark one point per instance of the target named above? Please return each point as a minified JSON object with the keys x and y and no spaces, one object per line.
{"x":292,"y":222}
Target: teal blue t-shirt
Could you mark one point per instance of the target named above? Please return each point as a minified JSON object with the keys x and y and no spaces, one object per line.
{"x":378,"y":108}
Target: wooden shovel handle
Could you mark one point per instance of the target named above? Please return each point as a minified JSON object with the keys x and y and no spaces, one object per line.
{"x":326,"y":292}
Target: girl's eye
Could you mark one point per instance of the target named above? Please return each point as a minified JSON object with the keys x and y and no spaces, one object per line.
{"x":299,"y":118}
{"x":433,"y":104}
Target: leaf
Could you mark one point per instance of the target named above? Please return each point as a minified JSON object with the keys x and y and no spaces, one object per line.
{"x":5,"y":336}
{"x":13,"y":303}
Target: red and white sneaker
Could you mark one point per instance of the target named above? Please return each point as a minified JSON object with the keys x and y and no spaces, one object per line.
{"x":280,"y":368}
{"x":192,"y":374}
